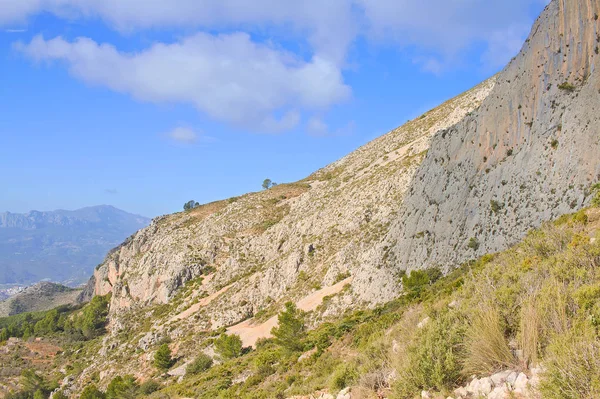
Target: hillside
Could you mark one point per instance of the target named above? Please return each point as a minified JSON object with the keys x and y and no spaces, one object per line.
{"x":456,"y":256}
{"x":38,"y":297}
{"x":61,"y":246}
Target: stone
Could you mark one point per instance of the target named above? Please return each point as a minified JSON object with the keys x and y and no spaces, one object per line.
{"x":425,"y":395}
{"x":500,"y":378}
{"x":344,"y":394}
{"x":521,"y":384}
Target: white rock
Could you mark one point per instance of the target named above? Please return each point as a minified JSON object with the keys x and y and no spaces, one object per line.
{"x":425,"y":395}
{"x":521,"y":384}
{"x":499,"y":393}
{"x":344,"y":394}
{"x":461,"y":392}
{"x":423,"y":322}
{"x":500,"y":378}
{"x":512,"y":377}
{"x":485,"y":386}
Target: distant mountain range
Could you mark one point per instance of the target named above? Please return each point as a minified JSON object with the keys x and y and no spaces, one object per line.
{"x":61,"y":246}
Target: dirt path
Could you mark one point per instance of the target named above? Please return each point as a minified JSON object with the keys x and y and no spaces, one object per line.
{"x":250,"y":333}
{"x":196,"y":307}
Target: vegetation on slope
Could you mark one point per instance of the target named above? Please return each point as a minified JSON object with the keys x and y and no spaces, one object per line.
{"x":537,"y":303}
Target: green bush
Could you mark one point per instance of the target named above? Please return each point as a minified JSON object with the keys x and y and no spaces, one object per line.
{"x":162,"y":358}
{"x":228,"y":346}
{"x":434,"y":360}
{"x":418,"y":280}
{"x":573,"y":366}
{"x":92,"y":392}
{"x":344,"y":376}
{"x":202,"y":363}
{"x":122,"y":388}
{"x":149,"y":387}
{"x":290,"y":332}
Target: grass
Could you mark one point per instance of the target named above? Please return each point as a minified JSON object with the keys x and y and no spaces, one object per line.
{"x":487,"y":349}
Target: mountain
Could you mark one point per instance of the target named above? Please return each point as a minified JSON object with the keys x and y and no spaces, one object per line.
{"x":62,"y":246}
{"x":39,"y":297}
{"x":456,"y":256}
{"x":467,"y":178}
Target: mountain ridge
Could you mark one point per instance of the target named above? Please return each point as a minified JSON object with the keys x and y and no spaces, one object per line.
{"x":60,"y":245}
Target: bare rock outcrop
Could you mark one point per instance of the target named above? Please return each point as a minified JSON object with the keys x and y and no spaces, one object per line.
{"x":529,"y":154}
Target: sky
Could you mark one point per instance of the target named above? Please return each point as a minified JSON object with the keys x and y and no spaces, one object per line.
{"x":146,"y":104}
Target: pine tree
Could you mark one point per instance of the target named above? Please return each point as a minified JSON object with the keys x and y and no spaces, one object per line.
{"x":290,"y":332}
{"x":162,"y":358}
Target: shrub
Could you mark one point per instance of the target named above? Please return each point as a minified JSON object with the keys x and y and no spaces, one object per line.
{"x":265,"y":362}
{"x":122,"y":388}
{"x":162,"y":358}
{"x":495,"y":206}
{"x":573,"y":366}
{"x":202,"y":363}
{"x":486,"y":347}
{"x":473,"y":244}
{"x":343,"y":376}
{"x":290,"y":332}
{"x":149,"y":387}
{"x":228,"y":346}
{"x":433,"y":361}
{"x":596,"y":199}
{"x":418,"y":280}
{"x":92,"y":392}
{"x":566,"y":86}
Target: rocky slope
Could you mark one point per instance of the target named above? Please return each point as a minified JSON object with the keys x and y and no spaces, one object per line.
{"x":530,"y":153}
{"x":517,"y":150}
{"x":62,"y":246}
{"x":38,"y":297}
{"x":283,"y":242}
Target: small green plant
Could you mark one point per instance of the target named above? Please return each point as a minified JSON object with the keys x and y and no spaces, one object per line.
{"x":122,"y":388}
{"x":566,"y":86}
{"x":229,"y":346}
{"x":554,"y":144}
{"x":473,"y":244}
{"x":162,"y":358}
{"x":343,"y":376}
{"x":496,"y":206}
{"x":202,"y":363}
{"x":92,"y":392}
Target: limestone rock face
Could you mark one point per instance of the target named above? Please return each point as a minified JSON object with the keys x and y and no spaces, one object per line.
{"x":281,"y":243}
{"x":527,"y":155}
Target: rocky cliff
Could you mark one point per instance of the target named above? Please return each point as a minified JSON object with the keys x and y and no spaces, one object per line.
{"x":529,"y":154}
{"x":505,"y":156}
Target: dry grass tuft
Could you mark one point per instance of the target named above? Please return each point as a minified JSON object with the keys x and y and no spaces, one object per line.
{"x":487,"y":349}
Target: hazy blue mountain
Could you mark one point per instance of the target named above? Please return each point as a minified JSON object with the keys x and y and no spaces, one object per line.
{"x":62,"y":246}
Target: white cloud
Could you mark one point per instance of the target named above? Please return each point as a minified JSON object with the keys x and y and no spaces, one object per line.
{"x":183,"y":135}
{"x":329,"y":26}
{"x":228,"y":77}
{"x":439,"y":31}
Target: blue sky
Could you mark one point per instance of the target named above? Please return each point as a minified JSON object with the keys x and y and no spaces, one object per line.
{"x":147,"y":104}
